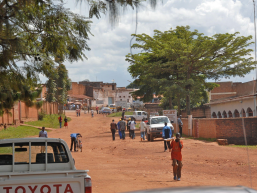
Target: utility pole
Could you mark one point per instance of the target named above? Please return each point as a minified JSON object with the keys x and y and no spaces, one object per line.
{"x":254,"y":90}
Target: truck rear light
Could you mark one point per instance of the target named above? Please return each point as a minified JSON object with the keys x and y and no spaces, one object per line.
{"x":88,"y":185}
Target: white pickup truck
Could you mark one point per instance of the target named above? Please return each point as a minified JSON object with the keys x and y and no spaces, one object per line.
{"x":155,"y":126}
{"x":138,"y":115}
{"x":40,"y":165}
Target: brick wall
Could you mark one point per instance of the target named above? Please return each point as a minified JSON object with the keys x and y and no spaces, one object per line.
{"x":229,"y":128}
{"x":77,"y":89}
{"x":232,"y":130}
{"x":245,"y":88}
{"x":206,"y":128}
{"x":199,"y":112}
{"x":28,"y":112}
{"x":49,"y":108}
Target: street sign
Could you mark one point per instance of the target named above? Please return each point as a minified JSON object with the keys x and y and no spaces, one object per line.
{"x":172,"y":115}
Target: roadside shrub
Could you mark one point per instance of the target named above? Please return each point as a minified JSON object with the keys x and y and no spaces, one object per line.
{"x":41,"y":115}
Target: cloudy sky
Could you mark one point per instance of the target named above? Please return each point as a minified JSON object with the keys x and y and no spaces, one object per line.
{"x":109,"y":46}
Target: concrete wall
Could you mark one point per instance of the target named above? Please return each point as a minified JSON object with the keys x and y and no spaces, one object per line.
{"x":124,"y":95}
{"x":232,"y":106}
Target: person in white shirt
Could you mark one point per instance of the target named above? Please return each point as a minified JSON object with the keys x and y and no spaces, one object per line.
{"x":132,"y":128}
{"x":43,"y":133}
{"x":142,"y":129}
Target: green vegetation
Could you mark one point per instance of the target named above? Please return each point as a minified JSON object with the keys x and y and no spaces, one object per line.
{"x":50,"y":121}
{"x":178,"y":63}
{"x":18,"y":132}
{"x":118,"y":114}
{"x":243,"y":146}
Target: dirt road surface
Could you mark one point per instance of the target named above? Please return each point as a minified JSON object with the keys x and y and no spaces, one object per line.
{"x":128,"y":165}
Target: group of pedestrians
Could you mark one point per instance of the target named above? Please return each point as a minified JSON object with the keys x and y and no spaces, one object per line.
{"x":65,"y":121}
{"x":78,"y":112}
{"x":174,"y":145}
{"x":121,"y":126}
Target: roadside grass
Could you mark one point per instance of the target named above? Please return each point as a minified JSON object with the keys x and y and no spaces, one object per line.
{"x":50,"y":121}
{"x":243,"y":146}
{"x":18,"y":132}
{"x":118,"y":114}
{"x":200,"y":138}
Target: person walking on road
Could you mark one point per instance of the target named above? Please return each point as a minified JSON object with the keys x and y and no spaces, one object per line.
{"x":113,"y":129}
{"x":176,"y":156}
{"x":74,"y":140}
{"x":122,"y":128}
{"x":180,"y":124}
{"x":128,"y":126}
{"x":118,"y":125}
{"x":88,"y":108}
{"x":166,"y":134}
{"x":122,"y":115}
{"x":92,"y":113}
{"x":142,"y":129}
{"x":96,"y":109}
{"x":66,"y":122}
{"x":60,"y":121}
{"x":132,"y":128}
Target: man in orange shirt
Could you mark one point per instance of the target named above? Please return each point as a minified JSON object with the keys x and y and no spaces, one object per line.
{"x":176,"y":156}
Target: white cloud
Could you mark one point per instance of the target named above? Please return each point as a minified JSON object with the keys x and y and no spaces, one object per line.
{"x":106,"y":60}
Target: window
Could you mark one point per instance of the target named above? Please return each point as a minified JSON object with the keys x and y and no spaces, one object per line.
{"x":56,"y":153}
{"x":123,"y":96}
{"x":129,"y":96}
{"x":139,"y":113}
{"x":120,"y":99}
{"x":127,"y":100}
{"x":160,"y":120}
{"x":119,"y":96}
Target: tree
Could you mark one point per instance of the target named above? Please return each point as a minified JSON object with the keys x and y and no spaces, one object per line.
{"x":35,"y":32}
{"x":63,"y":85}
{"x":181,"y":59}
{"x":114,"y":6}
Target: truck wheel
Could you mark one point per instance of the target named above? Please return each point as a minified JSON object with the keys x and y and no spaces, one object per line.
{"x":151,"y":137}
{"x":148,"y":137}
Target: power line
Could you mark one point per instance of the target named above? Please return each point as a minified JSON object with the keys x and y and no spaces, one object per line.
{"x":135,"y":29}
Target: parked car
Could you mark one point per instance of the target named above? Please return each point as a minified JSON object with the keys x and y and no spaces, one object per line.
{"x":155,"y":126}
{"x":113,"y":108}
{"x":105,"y":110}
{"x":40,"y":165}
{"x":138,"y":115}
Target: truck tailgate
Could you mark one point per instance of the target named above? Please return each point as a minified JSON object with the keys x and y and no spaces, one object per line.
{"x":43,"y":184}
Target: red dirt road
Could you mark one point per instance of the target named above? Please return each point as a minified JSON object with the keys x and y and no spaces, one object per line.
{"x":128,"y":165}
